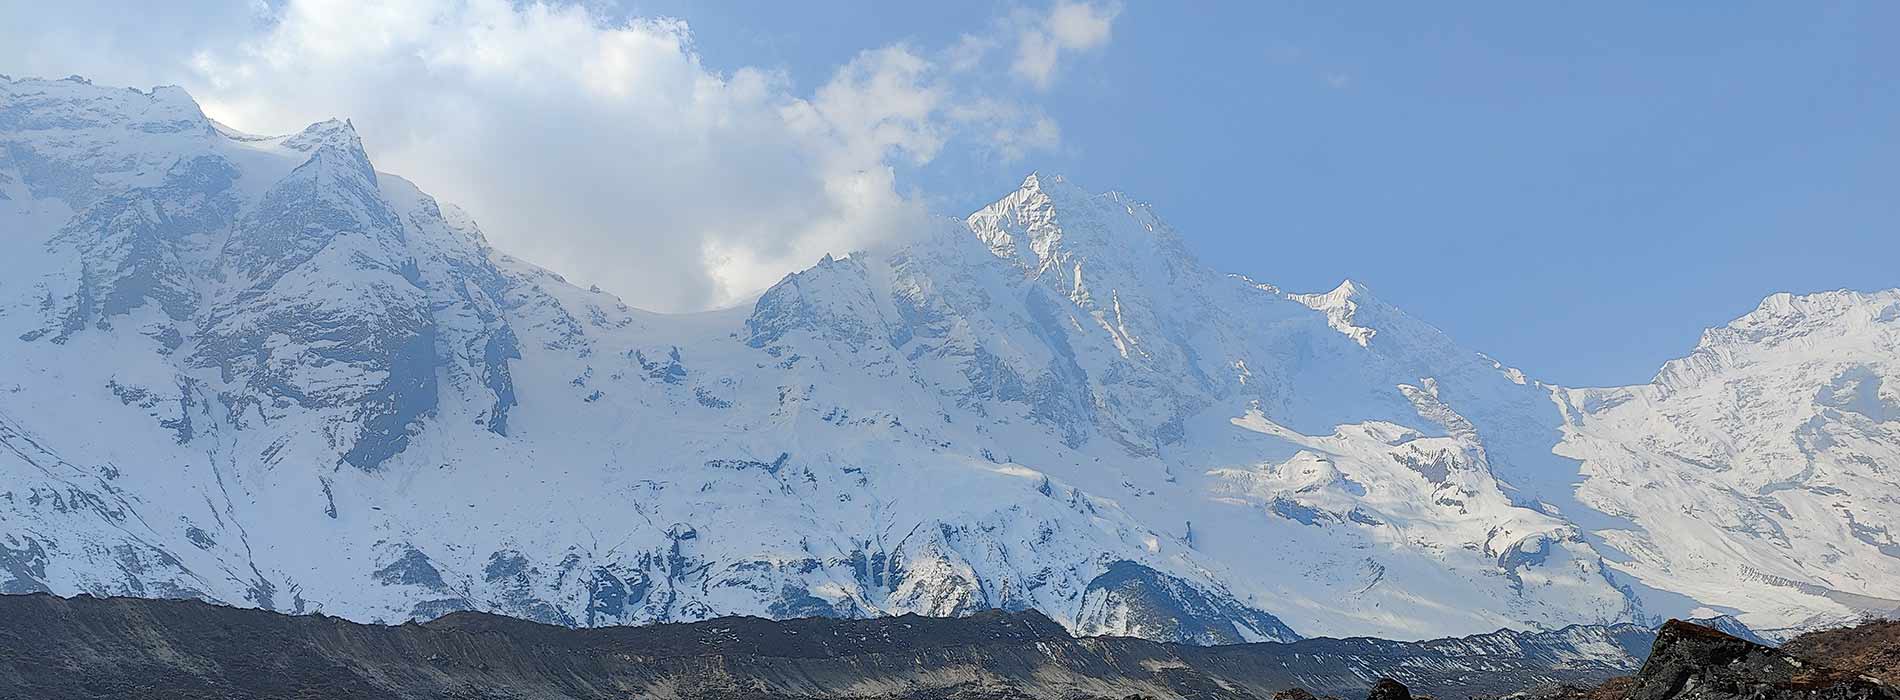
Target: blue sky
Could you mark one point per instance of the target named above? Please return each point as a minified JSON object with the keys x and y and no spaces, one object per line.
{"x":1577,"y":190}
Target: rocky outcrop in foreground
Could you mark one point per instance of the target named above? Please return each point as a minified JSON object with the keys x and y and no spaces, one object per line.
{"x":57,"y":649}
{"x":1692,"y":662}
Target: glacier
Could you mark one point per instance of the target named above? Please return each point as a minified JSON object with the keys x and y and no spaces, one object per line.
{"x":257,"y":371}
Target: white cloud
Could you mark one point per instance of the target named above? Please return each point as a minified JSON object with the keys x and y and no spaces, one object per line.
{"x":1010,"y":129}
{"x":1068,"y":27}
{"x":604,"y":150}
{"x":970,"y":50}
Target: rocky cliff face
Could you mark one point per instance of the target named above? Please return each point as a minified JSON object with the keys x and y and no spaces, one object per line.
{"x":254,"y":370}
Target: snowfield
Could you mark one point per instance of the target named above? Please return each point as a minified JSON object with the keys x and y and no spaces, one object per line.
{"x":257,"y":371}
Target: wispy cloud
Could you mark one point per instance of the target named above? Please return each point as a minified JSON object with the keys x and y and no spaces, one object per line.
{"x":1066,"y":28}
{"x":603,"y":149}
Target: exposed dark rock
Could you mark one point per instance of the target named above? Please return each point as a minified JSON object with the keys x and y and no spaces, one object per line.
{"x":1297,"y":694}
{"x":24,"y":562}
{"x":1694,"y":662}
{"x":1388,"y":689}
{"x":1157,"y":603}
{"x":1691,"y":662}
{"x":412,"y":568}
{"x":1872,"y":648}
{"x":61,"y":649}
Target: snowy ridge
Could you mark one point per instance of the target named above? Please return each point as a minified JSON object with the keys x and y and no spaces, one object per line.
{"x":1775,"y":440}
{"x":1340,"y":305}
{"x":320,"y":389}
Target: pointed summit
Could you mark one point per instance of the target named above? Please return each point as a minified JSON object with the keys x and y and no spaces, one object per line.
{"x":1050,"y":222}
{"x":1351,"y":309}
{"x":1039,"y":183}
{"x":1342,"y":306}
{"x":339,"y":133}
{"x":1019,"y":226}
{"x":334,"y":140}
{"x":1349,"y":290}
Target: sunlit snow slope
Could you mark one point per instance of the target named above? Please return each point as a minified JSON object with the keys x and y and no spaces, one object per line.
{"x":257,"y":371}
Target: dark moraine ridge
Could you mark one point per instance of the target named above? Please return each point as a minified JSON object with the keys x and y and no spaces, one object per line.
{"x":57,"y":648}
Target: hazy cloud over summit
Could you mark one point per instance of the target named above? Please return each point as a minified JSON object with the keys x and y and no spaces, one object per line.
{"x":601,"y":147}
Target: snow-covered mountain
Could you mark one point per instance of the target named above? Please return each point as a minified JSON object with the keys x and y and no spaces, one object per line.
{"x":256,"y":370}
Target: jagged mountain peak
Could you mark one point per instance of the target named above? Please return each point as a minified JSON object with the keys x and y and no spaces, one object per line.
{"x":1061,"y":192}
{"x":1051,"y":185}
{"x":1794,"y":404}
{"x":75,"y":141}
{"x":77,"y":94}
{"x":1341,"y":306}
{"x":1784,"y":315}
{"x":1350,"y":289}
{"x":333,"y":144}
{"x":334,"y":133}
{"x":1352,"y":309}
{"x":87,"y":113}
{"x":1785,"y":326}
{"x":1050,"y":223}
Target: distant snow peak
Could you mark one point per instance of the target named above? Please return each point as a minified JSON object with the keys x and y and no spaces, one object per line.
{"x":1055,"y":186}
{"x":1050,"y":223}
{"x":335,"y":133}
{"x":1785,"y":325}
{"x":1341,"y":305}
